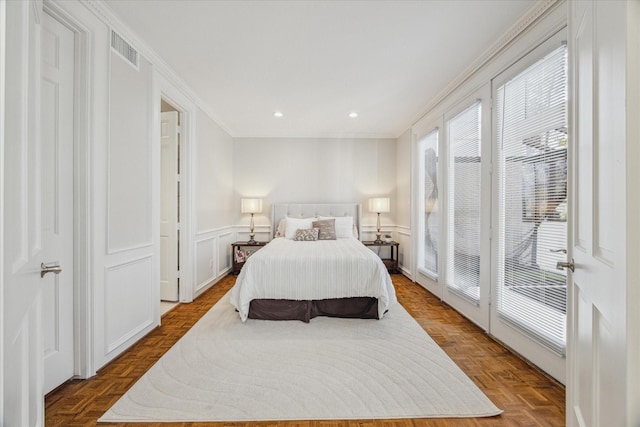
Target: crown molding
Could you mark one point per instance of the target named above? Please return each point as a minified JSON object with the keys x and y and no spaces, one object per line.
{"x":106,"y":15}
{"x":526,"y":21}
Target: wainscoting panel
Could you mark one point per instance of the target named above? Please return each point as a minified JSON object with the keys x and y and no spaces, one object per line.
{"x":128,"y":303}
{"x":212,"y":255}
{"x":403,"y":236}
{"x":224,"y":253}
{"x":205,"y":256}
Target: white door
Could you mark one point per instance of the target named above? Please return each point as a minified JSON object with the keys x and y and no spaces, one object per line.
{"x":596,"y":391}
{"x":465,"y":195}
{"x":169,"y":207}
{"x":57,"y":198}
{"x":22,"y":336}
{"x":528,"y":310}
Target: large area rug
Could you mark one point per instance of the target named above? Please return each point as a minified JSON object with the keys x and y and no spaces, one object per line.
{"x":225,"y":370}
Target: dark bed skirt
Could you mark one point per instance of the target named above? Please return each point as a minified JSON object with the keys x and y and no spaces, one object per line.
{"x":282,"y":309}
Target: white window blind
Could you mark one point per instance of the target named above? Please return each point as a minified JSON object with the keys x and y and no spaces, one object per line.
{"x":463,"y":260}
{"x":532,"y":156}
{"x":429,"y":150}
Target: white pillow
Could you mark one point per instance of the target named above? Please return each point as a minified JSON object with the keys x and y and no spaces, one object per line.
{"x":293,"y":224}
{"x":344,"y":226}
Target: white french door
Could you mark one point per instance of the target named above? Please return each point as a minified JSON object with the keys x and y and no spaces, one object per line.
{"x":466,"y":214}
{"x":603,"y":385}
{"x":169,"y":207}
{"x":453,"y":194}
{"x":529,"y":293}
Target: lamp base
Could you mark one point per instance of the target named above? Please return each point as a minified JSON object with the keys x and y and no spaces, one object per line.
{"x":251,"y":240}
{"x":378,"y":239}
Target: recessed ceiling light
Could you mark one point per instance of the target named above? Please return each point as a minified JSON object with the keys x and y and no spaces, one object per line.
{"x":353,"y":114}
{"x":278,"y":114}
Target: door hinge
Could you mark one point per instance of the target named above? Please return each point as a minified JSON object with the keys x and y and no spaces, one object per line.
{"x":178,"y":129}
{"x":177,"y":226}
{"x":178,"y":275}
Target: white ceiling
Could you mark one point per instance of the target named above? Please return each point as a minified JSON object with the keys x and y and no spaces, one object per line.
{"x":316,"y":61}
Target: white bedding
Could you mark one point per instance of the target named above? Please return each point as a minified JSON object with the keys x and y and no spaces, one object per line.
{"x":323,"y":269}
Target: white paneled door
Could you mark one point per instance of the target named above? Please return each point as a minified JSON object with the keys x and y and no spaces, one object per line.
{"x":597,"y":389}
{"x":169,"y":207}
{"x":466,"y":266}
{"x":23,"y":250}
{"x":530,"y":217}
{"x":57,"y":134}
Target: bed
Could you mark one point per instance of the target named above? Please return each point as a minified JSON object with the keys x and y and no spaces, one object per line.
{"x":298,"y":280}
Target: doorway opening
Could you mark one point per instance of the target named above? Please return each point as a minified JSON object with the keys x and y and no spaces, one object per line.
{"x":169,"y":206}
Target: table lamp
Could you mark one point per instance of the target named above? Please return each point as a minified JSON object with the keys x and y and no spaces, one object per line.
{"x":251,"y":206}
{"x":379,"y":205}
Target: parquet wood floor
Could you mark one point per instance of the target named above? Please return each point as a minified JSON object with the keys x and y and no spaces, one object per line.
{"x":528,"y":397}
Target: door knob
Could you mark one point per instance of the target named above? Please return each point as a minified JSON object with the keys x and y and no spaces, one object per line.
{"x":51,"y":268}
{"x":570,"y":265}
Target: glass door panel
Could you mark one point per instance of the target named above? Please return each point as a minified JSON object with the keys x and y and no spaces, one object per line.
{"x":429,"y":230}
{"x":464,"y":210}
{"x":531,"y":147}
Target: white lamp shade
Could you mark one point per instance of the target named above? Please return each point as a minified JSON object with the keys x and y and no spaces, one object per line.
{"x":250,"y":205}
{"x":379,"y":205}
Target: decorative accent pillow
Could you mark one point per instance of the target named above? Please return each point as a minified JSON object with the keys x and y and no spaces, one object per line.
{"x":327,"y":228}
{"x":306,"y":234}
{"x":344,"y":226}
{"x":281,"y":227}
{"x":293,"y":224}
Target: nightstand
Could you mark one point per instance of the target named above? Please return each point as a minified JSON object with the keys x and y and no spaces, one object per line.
{"x":392,"y":262}
{"x":240,"y":251}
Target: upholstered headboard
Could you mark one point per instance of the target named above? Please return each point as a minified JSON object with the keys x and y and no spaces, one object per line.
{"x":306,"y":210}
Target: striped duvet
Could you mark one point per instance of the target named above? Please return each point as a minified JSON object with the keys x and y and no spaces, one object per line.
{"x":323,"y":269}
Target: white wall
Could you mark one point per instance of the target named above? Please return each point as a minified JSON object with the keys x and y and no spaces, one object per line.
{"x":129,"y":159}
{"x":214,"y":175}
{"x":213,"y":202}
{"x":310,"y":170}
{"x":120,"y":300}
{"x":125,"y":299}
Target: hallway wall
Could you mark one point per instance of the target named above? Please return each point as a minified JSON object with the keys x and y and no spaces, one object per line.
{"x":123,"y":267}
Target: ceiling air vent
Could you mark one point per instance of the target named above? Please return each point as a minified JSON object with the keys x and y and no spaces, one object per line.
{"x":125,"y":50}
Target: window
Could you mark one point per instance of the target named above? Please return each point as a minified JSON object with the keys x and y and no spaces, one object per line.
{"x":531,"y":141}
{"x":428,"y":147}
{"x":464,"y":177}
